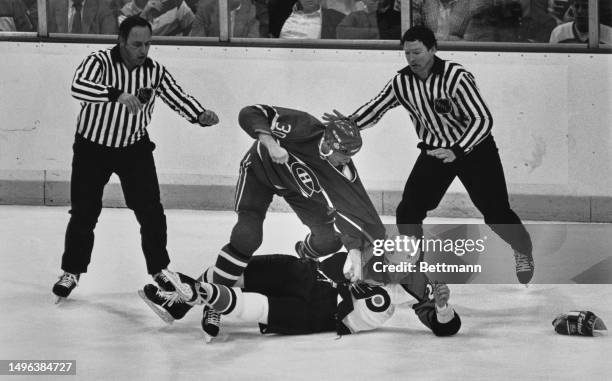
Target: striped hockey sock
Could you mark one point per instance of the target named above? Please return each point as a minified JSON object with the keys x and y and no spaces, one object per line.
{"x":228,"y":268}
{"x":220,"y":298}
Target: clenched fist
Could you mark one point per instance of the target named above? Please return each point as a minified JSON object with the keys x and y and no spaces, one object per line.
{"x":208,"y":118}
{"x":131,"y":102}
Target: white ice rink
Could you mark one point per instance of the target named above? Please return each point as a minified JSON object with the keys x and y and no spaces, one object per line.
{"x":112,"y":334}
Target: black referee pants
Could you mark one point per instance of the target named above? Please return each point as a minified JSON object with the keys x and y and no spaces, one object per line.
{"x":482,"y":174}
{"x":92,"y":166}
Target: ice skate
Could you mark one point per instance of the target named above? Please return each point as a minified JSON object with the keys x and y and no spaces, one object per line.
{"x":163,"y":282}
{"x":168,"y":305}
{"x":211,"y":324}
{"x":188,"y":288}
{"x":524,"y":267}
{"x":64,"y":286}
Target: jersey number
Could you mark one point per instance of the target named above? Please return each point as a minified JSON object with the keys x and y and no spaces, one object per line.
{"x":281,"y":129}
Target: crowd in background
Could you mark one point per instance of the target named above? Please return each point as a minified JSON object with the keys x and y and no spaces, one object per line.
{"x":544,"y":21}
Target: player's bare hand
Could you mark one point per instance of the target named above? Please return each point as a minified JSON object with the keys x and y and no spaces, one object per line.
{"x":352,"y":269}
{"x":441,"y":294}
{"x":208,"y":118}
{"x":131,"y":102}
{"x":444,"y":154}
{"x":336,"y":116}
{"x":278,"y":154}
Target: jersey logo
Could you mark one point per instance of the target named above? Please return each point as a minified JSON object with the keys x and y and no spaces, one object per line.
{"x":377,"y":299}
{"x":429,"y":291}
{"x":305,"y":178}
{"x":442,"y":105}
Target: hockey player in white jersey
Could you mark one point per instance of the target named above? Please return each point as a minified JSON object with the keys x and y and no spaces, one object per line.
{"x":288,"y":295}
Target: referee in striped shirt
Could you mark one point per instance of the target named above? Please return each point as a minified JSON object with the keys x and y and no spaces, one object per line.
{"x":117,"y":89}
{"x":453,"y":124}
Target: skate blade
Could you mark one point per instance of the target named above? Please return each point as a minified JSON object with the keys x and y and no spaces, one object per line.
{"x":58,"y":299}
{"x":162,"y":313}
{"x":208,"y":339}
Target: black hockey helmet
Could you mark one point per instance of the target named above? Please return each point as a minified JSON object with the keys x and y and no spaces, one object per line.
{"x":343,"y":136}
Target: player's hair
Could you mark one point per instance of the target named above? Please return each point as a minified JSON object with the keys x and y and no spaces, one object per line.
{"x":130,"y":22}
{"x":420,"y":33}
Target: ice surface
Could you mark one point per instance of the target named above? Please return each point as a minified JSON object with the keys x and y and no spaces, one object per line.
{"x":112,"y":334}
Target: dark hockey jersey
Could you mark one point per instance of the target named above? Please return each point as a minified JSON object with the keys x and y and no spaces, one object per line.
{"x":364,"y":307}
{"x":308,"y":173}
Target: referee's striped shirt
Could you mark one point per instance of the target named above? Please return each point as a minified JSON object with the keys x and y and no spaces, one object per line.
{"x":446,"y":109}
{"x":99,"y":81}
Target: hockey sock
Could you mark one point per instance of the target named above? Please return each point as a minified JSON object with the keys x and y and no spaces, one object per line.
{"x":305,"y":250}
{"x":229,"y":266}
{"x":249,"y":306}
{"x":321,"y":242}
{"x":221,"y":298}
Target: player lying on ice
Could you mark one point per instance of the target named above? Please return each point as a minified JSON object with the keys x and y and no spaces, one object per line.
{"x":289,"y":295}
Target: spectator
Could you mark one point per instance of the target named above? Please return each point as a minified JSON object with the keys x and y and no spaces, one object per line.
{"x":279,"y":11}
{"x":360,"y":25}
{"x":577,"y":31}
{"x":498,"y":21}
{"x":448,"y":19}
{"x":343,"y":6}
{"x":13,"y":17}
{"x":389,"y":19}
{"x":243,"y":19}
{"x":310,"y":20}
{"x":81,"y":16}
{"x":167,"y":17}
{"x":31,"y":7}
{"x":561,"y":10}
{"x":537,"y":22}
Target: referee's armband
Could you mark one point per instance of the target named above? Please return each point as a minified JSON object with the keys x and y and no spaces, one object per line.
{"x":114,"y":94}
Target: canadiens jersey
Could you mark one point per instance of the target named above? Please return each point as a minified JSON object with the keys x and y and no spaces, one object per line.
{"x":308,"y":173}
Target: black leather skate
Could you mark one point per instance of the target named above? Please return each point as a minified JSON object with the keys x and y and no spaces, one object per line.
{"x":64,"y":286}
{"x":211,"y":323}
{"x":163,"y":282}
{"x":524,"y":267}
{"x":168,"y":305}
{"x":189,"y":289}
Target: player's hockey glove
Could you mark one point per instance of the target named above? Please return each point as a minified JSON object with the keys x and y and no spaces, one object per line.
{"x":581,"y":323}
